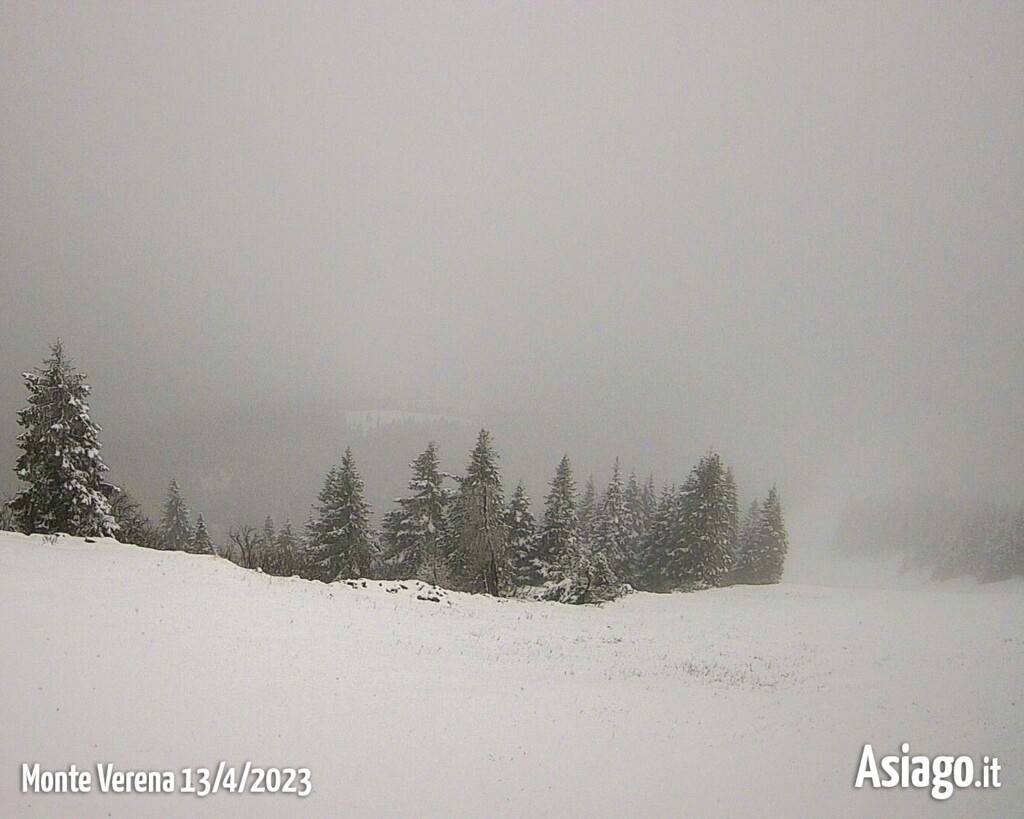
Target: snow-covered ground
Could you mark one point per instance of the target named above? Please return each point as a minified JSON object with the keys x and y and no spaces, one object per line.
{"x":734,"y":702}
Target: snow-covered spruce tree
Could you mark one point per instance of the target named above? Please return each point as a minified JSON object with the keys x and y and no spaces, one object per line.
{"x":637,"y":520}
{"x":648,"y":501}
{"x":340,"y":541}
{"x":286,"y":551}
{"x":286,"y":539}
{"x":587,"y":512}
{"x":699,"y":556}
{"x":413,"y":532}
{"x":175,"y":525}
{"x":762,"y":544}
{"x":597,"y":578}
{"x":658,"y":541}
{"x":558,"y":535}
{"x":478,"y":562}
{"x":60,"y":458}
{"x":611,"y":536}
{"x":201,"y":543}
{"x":586,"y":578}
{"x":572,"y":570}
{"x":641,"y":506}
{"x":733,"y":504}
{"x":266,"y":552}
{"x":746,"y":560}
{"x":521,"y":531}
{"x":269,"y":534}
{"x":775,"y":543}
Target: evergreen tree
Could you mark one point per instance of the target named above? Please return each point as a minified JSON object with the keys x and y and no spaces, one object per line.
{"x":269,"y":532}
{"x":576,"y":571}
{"x":593,"y":573}
{"x":286,"y":551}
{"x":775,"y":543}
{"x":521,"y":529}
{"x":648,"y":501}
{"x":276,"y":550}
{"x":611,"y":537}
{"x":587,"y":512}
{"x":699,"y":555}
{"x":733,"y":506}
{"x":635,"y":529}
{"x":267,"y":558}
{"x":479,"y":557}
{"x":414,"y":532}
{"x":642,"y":511}
{"x":746,"y":567}
{"x":286,"y":539}
{"x":340,"y":542}
{"x":558,"y":537}
{"x":201,"y":544}
{"x":60,"y":458}
{"x":587,"y":578}
{"x":175,"y":525}
{"x":658,"y":541}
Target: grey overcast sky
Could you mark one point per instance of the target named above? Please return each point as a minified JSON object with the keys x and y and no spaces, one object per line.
{"x":794,"y":232}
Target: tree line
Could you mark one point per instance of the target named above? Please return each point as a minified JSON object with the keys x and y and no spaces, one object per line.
{"x":938,"y":535}
{"x":454,"y":531}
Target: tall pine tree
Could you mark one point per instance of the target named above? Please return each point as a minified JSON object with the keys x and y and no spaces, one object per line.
{"x":201,"y":544}
{"x":558,"y":537}
{"x":746,"y":564}
{"x":340,"y":541}
{"x":413,"y":532}
{"x":175,"y":524}
{"x":636,"y":517}
{"x":763,"y":543}
{"x":658,"y":541}
{"x":285,"y":552}
{"x":775,"y":543}
{"x":699,"y":555}
{"x":60,"y":458}
{"x":732,"y":503}
{"x":587,"y":512}
{"x":479,"y":556}
{"x":521,"y":530}
{"x":611,"y":536}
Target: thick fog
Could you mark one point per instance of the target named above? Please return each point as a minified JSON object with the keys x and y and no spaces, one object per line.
{"x":794,"y":235}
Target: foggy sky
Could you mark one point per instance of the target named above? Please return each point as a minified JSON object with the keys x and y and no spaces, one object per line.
{"x":794,"y":234}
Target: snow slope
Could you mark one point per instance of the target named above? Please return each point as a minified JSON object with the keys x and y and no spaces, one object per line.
{"x":734,"y":702}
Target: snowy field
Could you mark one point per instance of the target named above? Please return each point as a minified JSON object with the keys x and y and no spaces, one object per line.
{"x":734,"y":702}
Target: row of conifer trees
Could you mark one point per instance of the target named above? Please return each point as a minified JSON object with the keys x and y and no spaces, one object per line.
{"x":455,"y":531}
{"x":459,"y":532}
